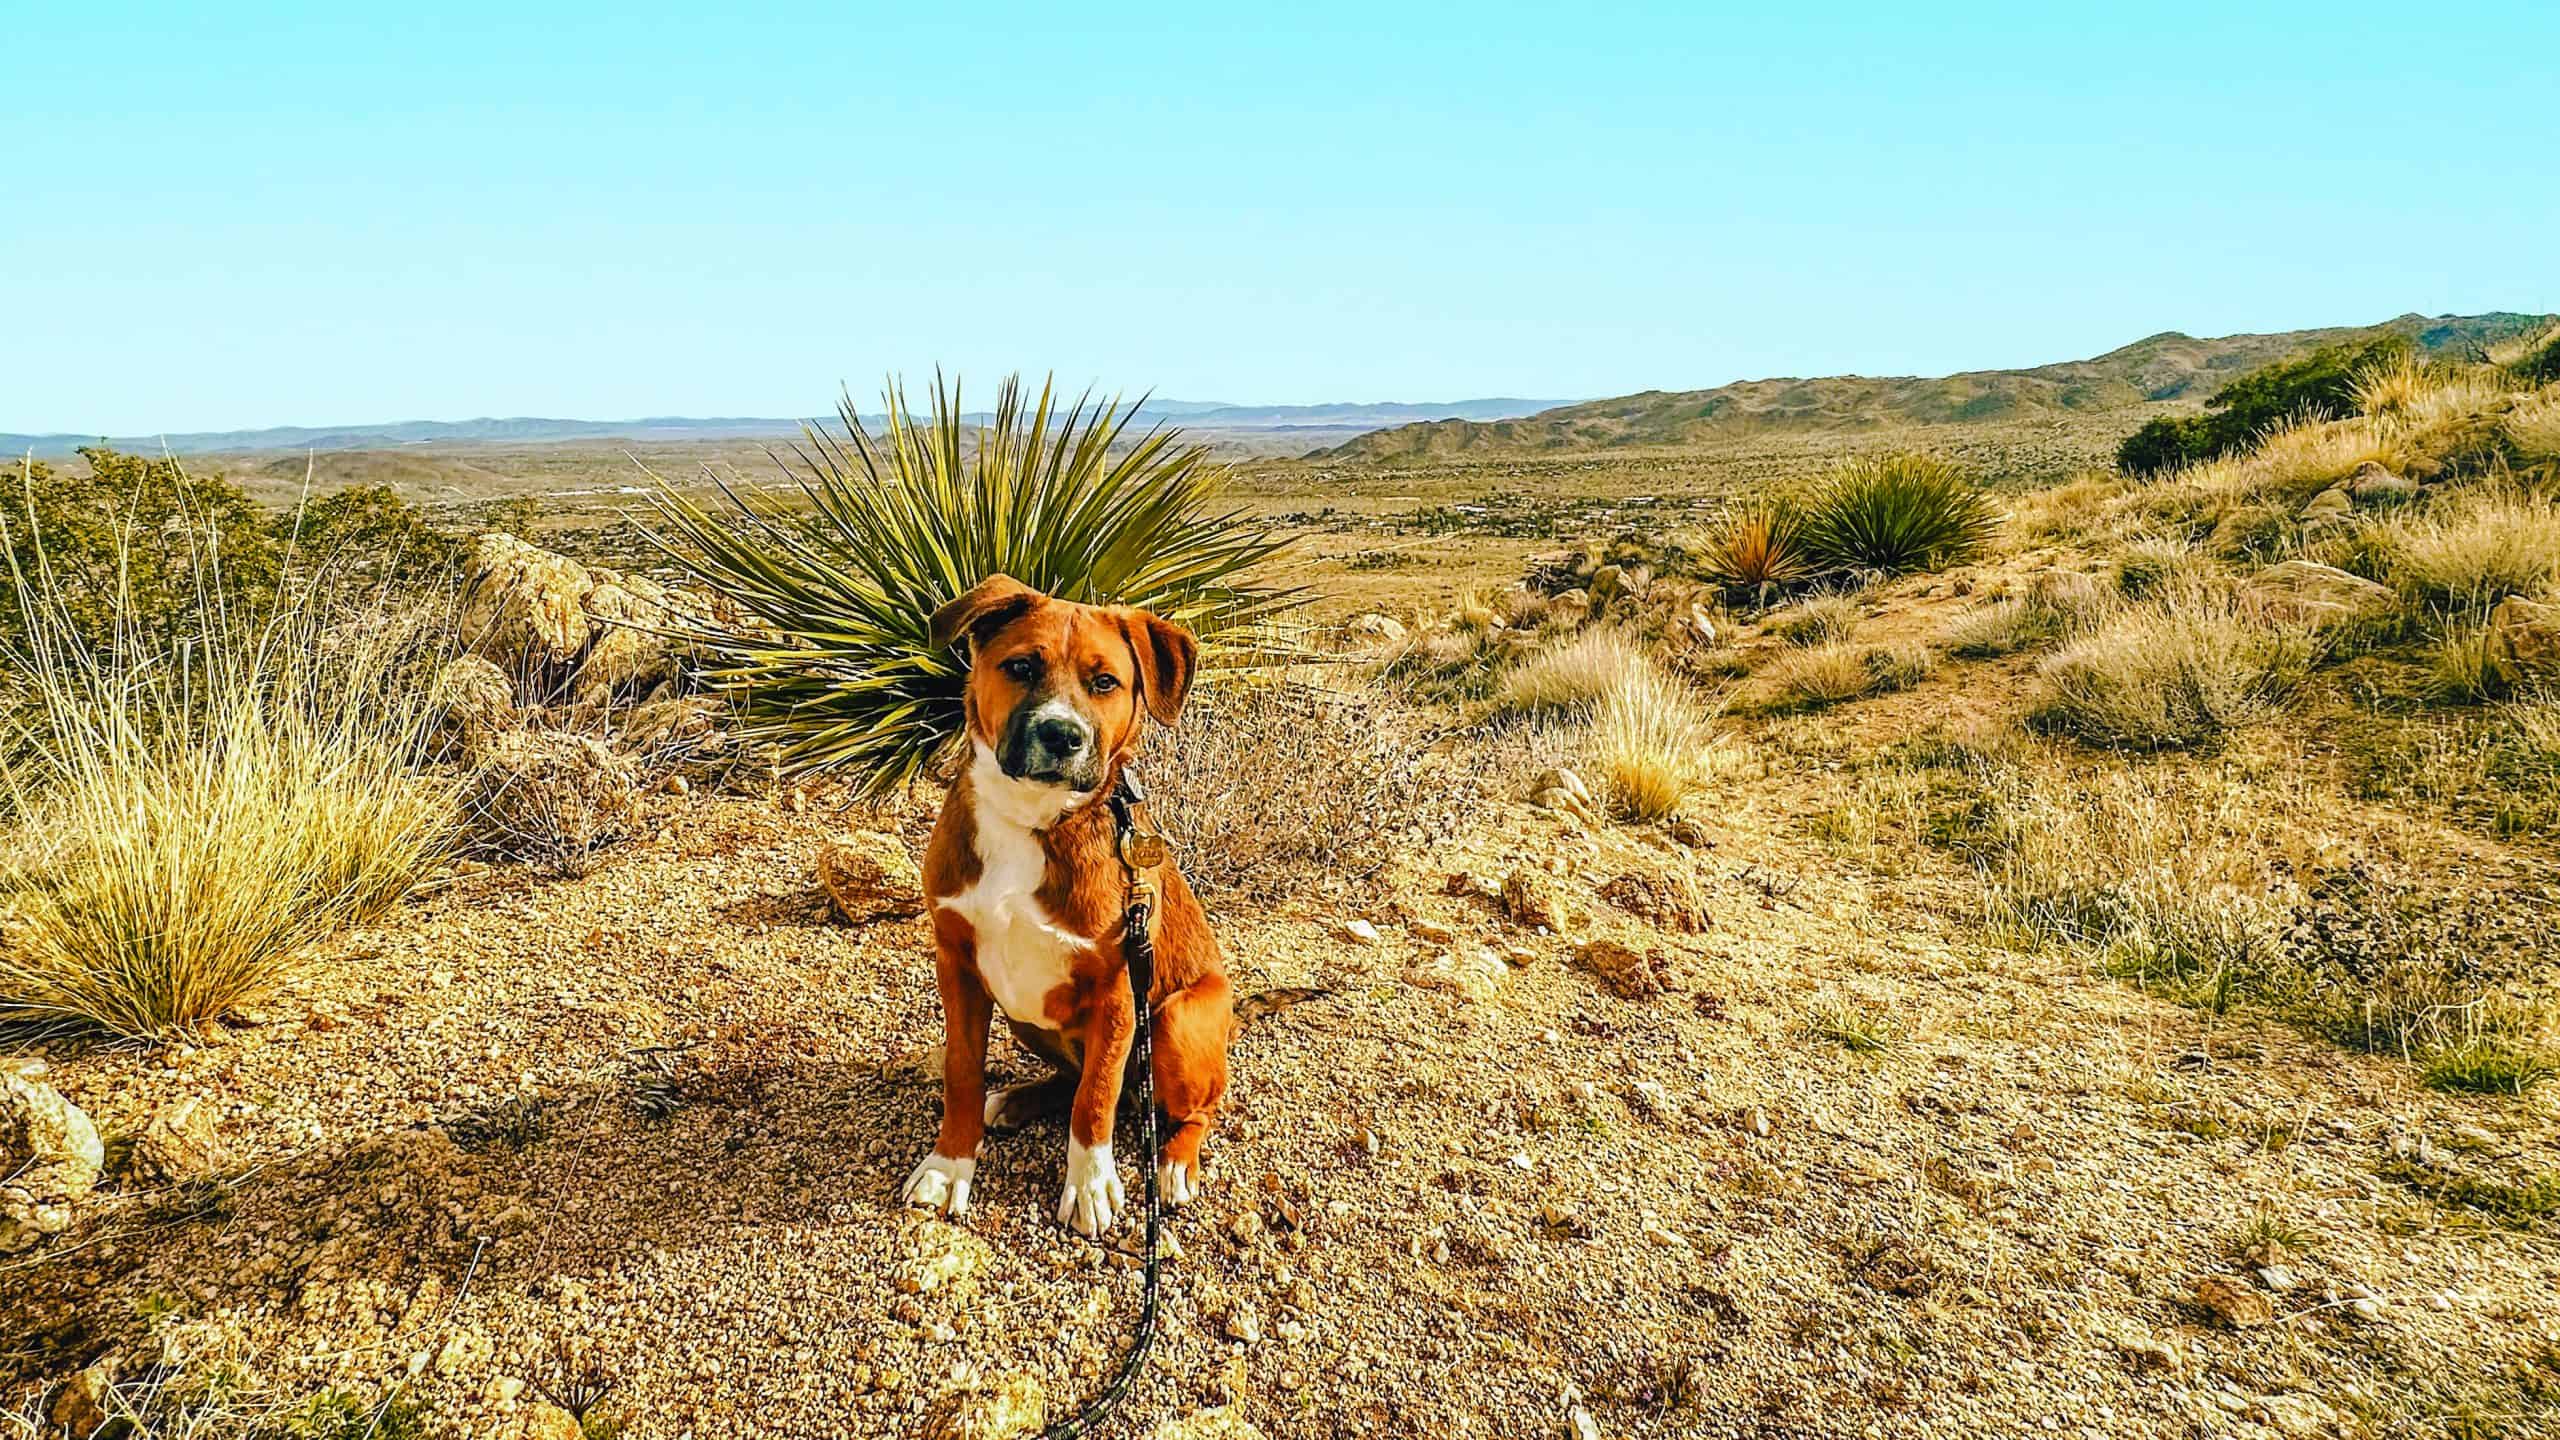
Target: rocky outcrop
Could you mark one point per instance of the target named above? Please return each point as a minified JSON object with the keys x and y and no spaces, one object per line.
{"x":2524,"y":641}
{"x":50,"y":1157}
{"x":2316,"y":594}
{"x":559,"y":629}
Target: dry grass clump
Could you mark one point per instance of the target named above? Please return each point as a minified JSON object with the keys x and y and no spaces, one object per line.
{"x":2176,"y":673}
{"x":1275,"y":787}
{"x":2533,"y":428}
{"x":2499,"y":769}
{"x":2416,"y":393}
{"x":2302,"y":457}
{"x":187,"y":823}
{"x":1650,"y":746}
{"x":1820,"y":620}
{"x":2466,"y":553}
{"x":2153,"y":564}
{"x":1579,"y":672}
{"x":1819,"y":675}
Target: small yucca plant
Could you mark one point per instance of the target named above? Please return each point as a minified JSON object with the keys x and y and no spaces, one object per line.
{"x":830,"y":658}
{"x":1898,"y":512}
{"x":1756,"y":553}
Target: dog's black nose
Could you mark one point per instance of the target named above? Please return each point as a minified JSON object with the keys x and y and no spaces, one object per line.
{"x":1059,"y":737}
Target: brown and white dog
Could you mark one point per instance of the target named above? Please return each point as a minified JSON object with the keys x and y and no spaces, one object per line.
{"x":1027,"y":892}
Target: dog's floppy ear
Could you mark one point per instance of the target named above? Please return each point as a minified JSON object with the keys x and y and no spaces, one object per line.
{"x":1167,"y":656}
{"x":982,"y":610}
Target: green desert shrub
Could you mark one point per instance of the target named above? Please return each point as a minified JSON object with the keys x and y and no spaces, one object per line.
{"x":2177,"y":673}
{"x":831,"y":661}
{"x":1897,"y":513}
{"x":2538,"y":361}
{"x":134,"y":550}
{"x":2318,"y":386}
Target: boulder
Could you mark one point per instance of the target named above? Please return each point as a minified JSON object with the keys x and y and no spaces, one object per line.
{"x":1473,"y":973}
{"x":2372,"y":484}
{"x":178,"y":1144}
{"x":2524,"y":640}
{"x":869,"y":877}
{"x":80,"y":1408}
{"x":524,"y":609}
{"x":547,"y":796}
{"x":1568,"y":608}
{"x":556,"y":627}
{"x":50,"y":1156}
{"x":474,"y":700}
{"x":2333,"y":503}
{"x":2315,"y":594}
{"x":1373,"y":628}
{"x":1670,"y":899}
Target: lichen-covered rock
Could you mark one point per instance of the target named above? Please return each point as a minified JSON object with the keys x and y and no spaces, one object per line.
{"x":1530,"y":897}
{"x":178,"y":1144}
{"x":474,"y":700}
{"x":2373,"y":484}
{"x":1373,"y":628}
{"x":2316,"y":594}
{"x":558,"y":628}
{"x":524,"y":609}
{"x":549,"y":797}
{"x":1627,"y":973}
{"x":2524,"y":640}
{"x":50,"y":1157}
{"x":869,"y":877}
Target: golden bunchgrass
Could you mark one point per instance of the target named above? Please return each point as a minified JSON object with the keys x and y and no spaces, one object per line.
{"x":1650,"y":746}
{"x":1819,"y":675}
{"x":2177,"y":672}
{"x":2471,"y":551}
{"x":1578,"y":672}
{"x":183,"y":824}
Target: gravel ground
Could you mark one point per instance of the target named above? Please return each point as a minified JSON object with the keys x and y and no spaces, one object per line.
{"x":650,"y":1124}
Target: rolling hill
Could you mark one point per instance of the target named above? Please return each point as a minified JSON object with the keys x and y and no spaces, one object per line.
{"x":1206,"y":416}
{"x":2164,"y":369}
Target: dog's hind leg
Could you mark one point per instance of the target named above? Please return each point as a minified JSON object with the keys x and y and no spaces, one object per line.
{"x":1015,"y":1106}
{"x":1192,"y":1029}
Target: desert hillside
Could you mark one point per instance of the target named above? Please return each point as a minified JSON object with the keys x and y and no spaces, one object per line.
{"x":2157,"y":371}
{"x":1784,"y":941}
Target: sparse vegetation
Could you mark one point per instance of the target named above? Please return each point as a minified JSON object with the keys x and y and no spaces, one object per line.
{"x":1756,"y":553}
{"x":2318,"y":386}
{"x":186,"y":817}
{"x":1821,"y":620}
{"x":1820,"y":675}
{"x":2178,"y":673}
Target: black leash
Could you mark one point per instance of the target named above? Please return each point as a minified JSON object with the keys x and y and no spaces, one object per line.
{"x":1141,"y":851}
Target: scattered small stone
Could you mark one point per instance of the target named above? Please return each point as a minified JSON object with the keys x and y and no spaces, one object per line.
{"x":2233,"y":1303}
{"x":1475,"y":976}
{"x":1430,"y":932}
{"x":1015,"y":1407}
{"x":178,"y":1144}
{"x":50,"y":1157}
{"x":869,"y":877}
{"x":1628,"y":974}
{"x":1755,"y":1122}
{"x":1530,"y":898}
{"x":2279,"y":1278}
{"x":1580,"y":1426}
{"x":1244,"y":1325}
{"x":1360,"y":931}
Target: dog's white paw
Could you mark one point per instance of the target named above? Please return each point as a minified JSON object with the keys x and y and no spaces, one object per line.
{"x":1093,"y":1197}
{"x":1179,"y":1184}
{"x":941,"y":1183}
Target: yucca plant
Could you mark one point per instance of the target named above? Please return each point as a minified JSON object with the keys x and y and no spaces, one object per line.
{"x":1756,"y":553}
{"x":1895,"y":513}
{"x":828,"y":655}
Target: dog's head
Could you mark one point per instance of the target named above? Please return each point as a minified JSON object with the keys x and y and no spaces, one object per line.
{"x":1058,"y":691}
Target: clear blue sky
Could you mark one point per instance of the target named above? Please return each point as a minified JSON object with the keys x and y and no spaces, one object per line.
{"x":236,"y":215}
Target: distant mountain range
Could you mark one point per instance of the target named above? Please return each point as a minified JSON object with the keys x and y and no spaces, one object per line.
{"x":2160,"y":371}
{"x":526,"y":430}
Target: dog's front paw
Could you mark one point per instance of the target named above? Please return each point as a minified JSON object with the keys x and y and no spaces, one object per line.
{"x":1179,"y":1182}
{"x":1093,"y":1196}
{"x":941,"y":1183}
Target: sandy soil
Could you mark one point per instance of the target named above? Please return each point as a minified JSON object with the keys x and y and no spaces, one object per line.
{"x":651,"y":1122}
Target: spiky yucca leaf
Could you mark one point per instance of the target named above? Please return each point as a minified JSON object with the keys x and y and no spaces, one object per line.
{"x":829,"y":657}
{"x":1898,"y":512}
{"x":1757,"y":551}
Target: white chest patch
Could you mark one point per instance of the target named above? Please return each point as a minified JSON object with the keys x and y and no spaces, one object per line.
{"x":1022,"y":955}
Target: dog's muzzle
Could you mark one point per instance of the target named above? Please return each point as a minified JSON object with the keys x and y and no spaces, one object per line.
{"x":1048,"y":743}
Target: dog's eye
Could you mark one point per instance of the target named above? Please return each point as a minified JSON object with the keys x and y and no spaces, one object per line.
{"x":1024,"y":668}
{"x":1104,"y":683}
